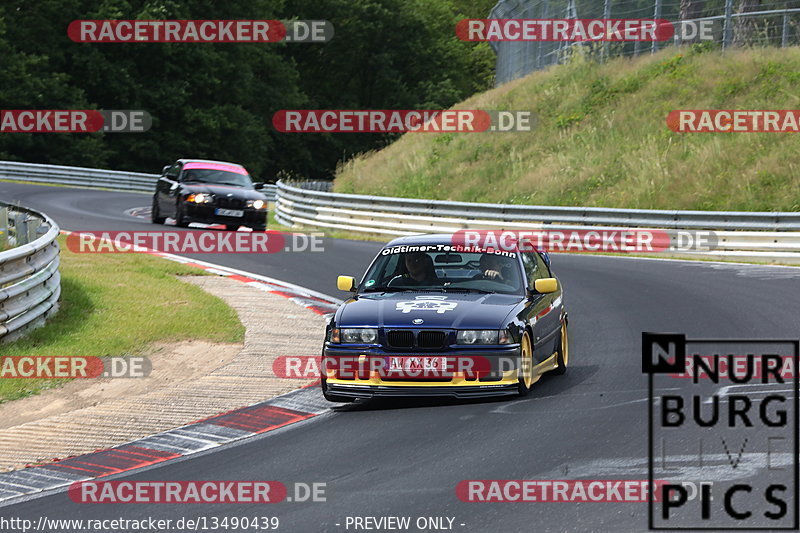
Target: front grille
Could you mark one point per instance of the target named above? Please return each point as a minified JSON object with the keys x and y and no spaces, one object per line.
{"x":400,"y":338}
{"x":430,"y":339}
{"x":406,"y":338}
{"x":229,"y":203}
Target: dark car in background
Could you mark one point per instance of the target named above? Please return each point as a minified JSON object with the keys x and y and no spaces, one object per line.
{"x":210,"y":192}
{"x":425,"y":305}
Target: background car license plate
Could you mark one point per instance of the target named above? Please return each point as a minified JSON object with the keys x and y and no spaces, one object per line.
{"x":418,"y":363}
{"x":229,"y":212}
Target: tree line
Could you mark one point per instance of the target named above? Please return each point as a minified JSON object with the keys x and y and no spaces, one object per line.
{"x":216,"y":100}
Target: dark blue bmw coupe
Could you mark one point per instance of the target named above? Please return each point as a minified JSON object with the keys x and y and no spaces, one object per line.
{"x":434,"y":318}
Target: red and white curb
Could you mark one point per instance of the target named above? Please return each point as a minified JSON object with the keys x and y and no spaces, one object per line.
{"x":203,"y":435}
{"x":199,"y":436}
{"x":319,"y":303}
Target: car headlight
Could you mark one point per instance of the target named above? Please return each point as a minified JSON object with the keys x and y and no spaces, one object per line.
{"x":359,"y":335}
{"x":256,"y":204}
{"x":199,"y":198}
{"x":482,"y":336}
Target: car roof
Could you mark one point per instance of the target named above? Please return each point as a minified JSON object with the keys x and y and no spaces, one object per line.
{"x":425,"y":239}
{"x":431,"y":238}
{"x":184,"y":161}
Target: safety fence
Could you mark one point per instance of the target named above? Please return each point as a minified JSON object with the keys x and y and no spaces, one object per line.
{"x":729,"y":23}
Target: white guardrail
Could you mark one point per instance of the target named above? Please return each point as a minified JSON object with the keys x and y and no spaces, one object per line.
{"x":114,"y":180}
{"x":751,"y":236}
{"x":30,"y":283}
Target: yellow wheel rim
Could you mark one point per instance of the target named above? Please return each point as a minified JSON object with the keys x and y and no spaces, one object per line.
{"x":527,"y":361}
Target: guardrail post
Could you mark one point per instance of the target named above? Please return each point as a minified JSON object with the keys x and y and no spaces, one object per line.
{"x":33,"y":229}
{"x":3,"y":228}
{"x":728,"y":31}
{"x":606,"y":15}
{"x":545,"y":15}
{"x":785,"y":32}
{"x":656,"y":16}
{"x":21,"y":228}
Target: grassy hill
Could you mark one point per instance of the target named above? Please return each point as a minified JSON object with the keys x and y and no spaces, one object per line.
{"x":602,"y":139}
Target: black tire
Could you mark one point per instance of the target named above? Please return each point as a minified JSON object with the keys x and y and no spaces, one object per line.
{"x":562,"y":357}
{"x":334,"y":397}
{"x":526,"y":357}
{"x":155,"y":214}
{"x":259,"y":228}
{"x":231,"y":227}
{"x":180,"y":218}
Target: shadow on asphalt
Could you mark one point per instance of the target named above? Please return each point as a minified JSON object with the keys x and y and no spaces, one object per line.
{"x":548,"y":385}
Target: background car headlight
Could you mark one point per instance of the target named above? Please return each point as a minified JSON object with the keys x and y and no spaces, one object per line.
{"x":482,"y":336}
{"x":199,"y":198}
{"x":359,"y":336}
{"x":256,"y":204}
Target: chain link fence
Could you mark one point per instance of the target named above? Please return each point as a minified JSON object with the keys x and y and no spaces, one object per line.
{"x":732,"y":23}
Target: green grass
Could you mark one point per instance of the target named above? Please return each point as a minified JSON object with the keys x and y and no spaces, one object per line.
{"x":602,"y":139}
{"x":119,"y":305}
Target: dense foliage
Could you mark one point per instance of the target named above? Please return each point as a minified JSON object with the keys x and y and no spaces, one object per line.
{"x":217,"y":100}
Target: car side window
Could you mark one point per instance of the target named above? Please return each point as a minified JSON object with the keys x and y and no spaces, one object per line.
{"x":532,"y":269}
{"x":174,"y":171}
{"x":542,"y":266}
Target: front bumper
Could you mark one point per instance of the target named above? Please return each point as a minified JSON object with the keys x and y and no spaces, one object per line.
{"x":205,"y":215}
{"x":500,"y":380}
{"x":351,"y":390}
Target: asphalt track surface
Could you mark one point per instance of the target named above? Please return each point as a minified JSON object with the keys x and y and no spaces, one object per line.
{"x":405,"y":457}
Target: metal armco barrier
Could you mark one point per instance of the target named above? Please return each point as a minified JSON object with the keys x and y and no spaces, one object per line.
{"x":88,"y":177}
{"x":30,"y":283}
{"x":768,"y":237}
{"x":78,"y":176}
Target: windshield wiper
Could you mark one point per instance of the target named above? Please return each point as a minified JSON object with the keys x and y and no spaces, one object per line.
{"x":395,"y":289}
{"x":467,"y":289}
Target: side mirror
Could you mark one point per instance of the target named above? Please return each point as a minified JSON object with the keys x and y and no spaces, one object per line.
{"x":258,"y":186}
{"x":346,"y":283}
{"x":545,"y":286}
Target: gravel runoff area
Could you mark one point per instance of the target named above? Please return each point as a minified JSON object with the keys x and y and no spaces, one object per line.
{"x":189,"y":381}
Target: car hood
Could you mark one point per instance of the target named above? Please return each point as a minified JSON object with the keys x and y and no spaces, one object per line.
{"x":223,"y":190}
{"x":436,"y":310}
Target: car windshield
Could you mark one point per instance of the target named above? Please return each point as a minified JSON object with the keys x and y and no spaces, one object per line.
{"x":437,"y":271}
{"x":217,"y":177}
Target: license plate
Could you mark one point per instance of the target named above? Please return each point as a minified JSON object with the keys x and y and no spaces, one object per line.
{"x":417,"y":364}
{"x":229,"y":212}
